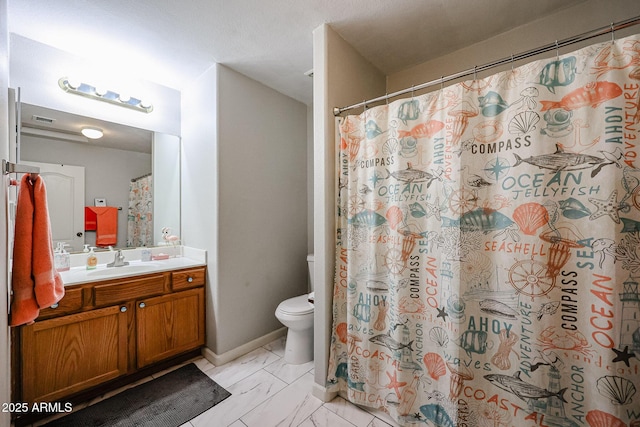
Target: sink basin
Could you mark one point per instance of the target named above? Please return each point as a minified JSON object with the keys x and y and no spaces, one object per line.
{"x":124,"y":270}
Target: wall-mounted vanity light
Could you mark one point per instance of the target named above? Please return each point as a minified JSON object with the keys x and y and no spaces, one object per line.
{"x":92,"y":133}
{"x":124,"y":100}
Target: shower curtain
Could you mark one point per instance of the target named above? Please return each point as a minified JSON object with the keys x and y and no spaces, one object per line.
{"x":488,"y":248}
{"x":140,"y":214}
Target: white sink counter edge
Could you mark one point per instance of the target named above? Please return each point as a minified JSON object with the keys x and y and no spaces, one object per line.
{"x":181,"y":257}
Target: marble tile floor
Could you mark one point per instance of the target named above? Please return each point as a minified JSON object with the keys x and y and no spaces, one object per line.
{"x":265,"y":392}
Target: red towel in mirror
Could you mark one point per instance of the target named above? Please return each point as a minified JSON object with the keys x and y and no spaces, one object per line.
{"x":90,"y":219}
{"x":106,"y":225}
{"x":34,"y":280}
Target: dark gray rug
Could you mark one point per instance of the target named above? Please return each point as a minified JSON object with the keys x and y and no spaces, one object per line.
{"x":168,"y":401}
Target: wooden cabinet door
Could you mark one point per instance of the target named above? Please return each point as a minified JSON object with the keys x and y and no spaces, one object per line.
{"x":169,"y":325}
{"x":71,"y":353}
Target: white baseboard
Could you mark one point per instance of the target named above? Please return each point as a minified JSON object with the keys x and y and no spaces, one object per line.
{"x":221,"y":359}
{"x":322,"y":393}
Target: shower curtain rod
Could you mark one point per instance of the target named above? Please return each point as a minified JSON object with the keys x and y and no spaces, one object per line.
{"x":140,"y":177}
{"x":612,"y":28}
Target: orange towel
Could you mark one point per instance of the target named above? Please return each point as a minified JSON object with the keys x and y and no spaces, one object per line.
{"x":107,"y":225}
{"x":35,"y":281}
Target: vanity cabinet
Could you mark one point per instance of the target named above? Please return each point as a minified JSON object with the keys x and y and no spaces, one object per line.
{"x":64,"y":355}
{"x":169,"y":325}
{"x":108,"y":330}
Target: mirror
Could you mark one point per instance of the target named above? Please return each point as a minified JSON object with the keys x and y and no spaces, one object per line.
{"x":130,"y":174}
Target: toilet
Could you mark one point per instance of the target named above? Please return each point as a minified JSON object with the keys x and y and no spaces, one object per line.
{"x":297,"y":315}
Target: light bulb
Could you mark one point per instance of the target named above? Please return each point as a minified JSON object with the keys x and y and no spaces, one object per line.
{"x":92,"y":133}
{"x":73,"y":83}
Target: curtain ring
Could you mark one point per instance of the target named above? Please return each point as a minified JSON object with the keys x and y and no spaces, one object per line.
{"x":512,"y":62}
{"x":557,"y":52}
{"x":386,"y":97}
{"x":613,"y":38}
{"x":441,"y":82}
{"x":364,"y":108}
{"x":474,"y":72}
{"x":412,"y":86}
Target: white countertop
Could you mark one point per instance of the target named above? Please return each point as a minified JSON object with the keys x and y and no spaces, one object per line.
{"x":189,"y":257}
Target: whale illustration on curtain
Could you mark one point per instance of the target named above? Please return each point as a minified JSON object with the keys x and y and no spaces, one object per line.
{"x":488,"y":248}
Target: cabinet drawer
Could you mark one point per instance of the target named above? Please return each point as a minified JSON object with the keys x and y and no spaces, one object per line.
{"x":128,"y":290}
{"x":188,"y":278}
{"x":72,"y":301}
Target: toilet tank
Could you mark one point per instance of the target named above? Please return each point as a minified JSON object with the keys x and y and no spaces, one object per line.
{"x":310,"y":264}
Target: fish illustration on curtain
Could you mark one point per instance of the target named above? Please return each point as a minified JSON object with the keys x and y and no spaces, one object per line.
{"x":488,"y":249}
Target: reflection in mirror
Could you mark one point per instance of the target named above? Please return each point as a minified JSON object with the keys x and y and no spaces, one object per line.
{"x":101,"y":192}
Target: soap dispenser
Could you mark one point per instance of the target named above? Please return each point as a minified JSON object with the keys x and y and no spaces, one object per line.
{"x":61,"y":258}
{"x":65,"y":257}
{"x":92,"y":260}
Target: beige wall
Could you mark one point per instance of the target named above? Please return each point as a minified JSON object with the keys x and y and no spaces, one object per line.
{"x":262,"y":206}
{"x":567,"y":23}
{"x":245,"y":201}
{"x":340,"y":75}
{"x":200,"y":184}
{"x":36,"y":68}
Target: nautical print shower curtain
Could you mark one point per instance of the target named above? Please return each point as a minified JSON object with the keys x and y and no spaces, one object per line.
{"x":488,"y":248}
{"x":140,"y":214}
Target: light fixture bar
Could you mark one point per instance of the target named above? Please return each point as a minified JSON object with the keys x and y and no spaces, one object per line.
{"x":85,"y":89}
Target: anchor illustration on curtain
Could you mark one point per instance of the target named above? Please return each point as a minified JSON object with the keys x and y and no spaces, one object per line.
{"x":488,"y":249}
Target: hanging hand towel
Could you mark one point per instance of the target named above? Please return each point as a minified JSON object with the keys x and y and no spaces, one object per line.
{"x":106,"y":225}
{"x":90,"y":219}
{"x":35,"y":281}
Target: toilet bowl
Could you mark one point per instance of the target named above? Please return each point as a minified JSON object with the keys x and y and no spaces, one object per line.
{"x":297,"y":315}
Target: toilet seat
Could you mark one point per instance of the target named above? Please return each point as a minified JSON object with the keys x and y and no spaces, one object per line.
{"x":296,"y":306}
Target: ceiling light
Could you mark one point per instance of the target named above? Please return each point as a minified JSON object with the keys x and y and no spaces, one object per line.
{"x":103,"y":94}
{"x":92,"y":133}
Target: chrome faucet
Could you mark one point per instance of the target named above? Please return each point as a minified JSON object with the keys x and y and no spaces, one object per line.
{"x":119,"y":260}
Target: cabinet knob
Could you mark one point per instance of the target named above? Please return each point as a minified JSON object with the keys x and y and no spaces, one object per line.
{"x":123,"y":309}
{"x":189,"y":279}
{"x":142,"y":305}
{"x":54,"y":305}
